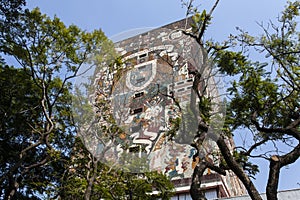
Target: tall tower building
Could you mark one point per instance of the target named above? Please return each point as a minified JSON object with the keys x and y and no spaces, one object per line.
{"x":155,"y":103}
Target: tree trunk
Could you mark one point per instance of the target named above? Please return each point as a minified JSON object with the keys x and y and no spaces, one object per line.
{"x":274,"y":172}
{"x":88,"y":191}
{"x":276,"y":163}
{"x":13,"y":184}
{"x":91,"y":179}
{"x":12,"y":188}
{"x":196,"y":192}
{"x":13,"y":191}
{"x":235,"y":167}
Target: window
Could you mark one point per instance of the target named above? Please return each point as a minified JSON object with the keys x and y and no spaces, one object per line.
{"x":142,"y":58}
{"x":137,"y":110}
{"x":143,"y":55}
{"x":135,"y":149}
{"x":137,"y":95}
{"x":211,"y":194}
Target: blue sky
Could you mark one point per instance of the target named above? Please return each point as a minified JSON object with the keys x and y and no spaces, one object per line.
{"x":116,"y":16}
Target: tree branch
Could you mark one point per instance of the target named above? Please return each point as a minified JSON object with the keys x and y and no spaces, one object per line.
{"x":276,"y":163}
{"x":236,"y":168}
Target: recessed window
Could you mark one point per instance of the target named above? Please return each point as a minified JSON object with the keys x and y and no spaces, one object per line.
{"x":136,"y":95}
{"x":135,"y":149}
{"x":143,"y":58}
{"x":143,"y":55}
{"x":137,"y":110}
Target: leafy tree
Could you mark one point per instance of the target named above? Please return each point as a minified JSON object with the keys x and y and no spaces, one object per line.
{"x":264,"y":98}
{"x":10,"y":11}
{"x":19,"y":96}
{"x":37,"y":131}
{"x":109,"y":183}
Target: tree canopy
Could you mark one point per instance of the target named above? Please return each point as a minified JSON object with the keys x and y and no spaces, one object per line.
{"x":263,"y":98}
{"x":37,"y":131}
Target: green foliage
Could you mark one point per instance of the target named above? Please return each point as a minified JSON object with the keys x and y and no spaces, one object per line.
{"x":251,"y":169}
{"x":230,"y":62}
{"x":111,"y":183}
{"x":10,"y":11}
{"x":175,"y":124}
{"x":183,"y":128}
{"x":37,"y":130}
{"x":21,"y":115}
{"x":264,"y":95}
{"x":199,"y":20}
{"x":205,"y":106}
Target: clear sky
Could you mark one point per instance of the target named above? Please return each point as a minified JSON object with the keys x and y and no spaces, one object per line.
{"x":117,"y":16}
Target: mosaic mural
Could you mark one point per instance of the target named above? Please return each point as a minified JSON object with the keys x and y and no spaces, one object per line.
{"x":142,"y":113}
{"x":153,"y":96}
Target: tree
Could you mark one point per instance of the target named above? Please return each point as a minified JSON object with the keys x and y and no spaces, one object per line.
{"x":210,"y":124}
{"x":36,"y":126}
{"x":19,"y":96}
{"x":264,"y":98}
{"x":10,"y":11}
{"x":109,"y":182}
